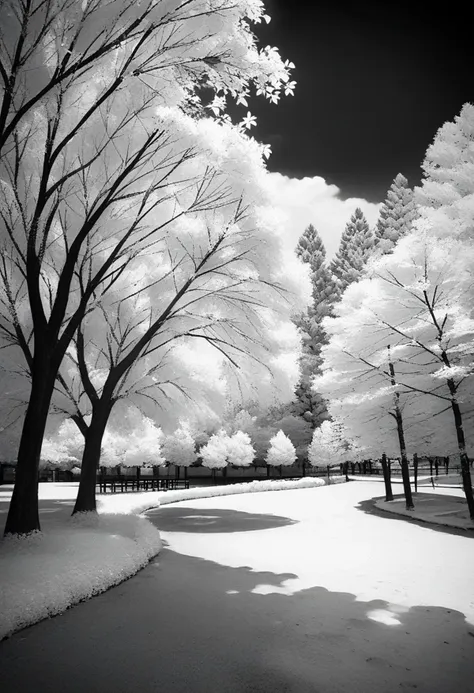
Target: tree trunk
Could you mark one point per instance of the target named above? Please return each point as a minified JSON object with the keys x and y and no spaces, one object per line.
{"x":404,"y":463}
{"x":86,"y":500}
{"x":23,"y":515}
{"x":401,"y":440}
{"x":415,"y":469}
{"x":386,"y":478}
{"x":268,"y":471}
{"x":465,"y":470}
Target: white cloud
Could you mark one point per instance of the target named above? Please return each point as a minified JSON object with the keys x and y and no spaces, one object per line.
{"x":312,"y":201}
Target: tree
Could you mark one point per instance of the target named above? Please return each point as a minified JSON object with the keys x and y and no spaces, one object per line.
{"x":210,"y":285}
{"x":281,"y":451}
{"x":81,"y":144}
{"x":214,"y":454}
{"x":414,"y":300}
{"x":179,"y":448}
{"x":327,"y":446}
{"x":396,"y":216}
{"x":446,"y":195}
{"x":355,"y":249}
{"x":310,"y":250}
{"x":240,"y":451}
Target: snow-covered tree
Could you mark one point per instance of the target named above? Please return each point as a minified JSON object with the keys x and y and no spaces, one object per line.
{"x":446,"y":195}
{"x":240,"y":451}
{"x":281,"y":451}
{"x":355,"y":248}
{"x":179,"y":448}
{"x":414,"y":301}
{"x":327,"y":446}
{"x":396,"y":216}
{"x":89,"y":177}
{"x":214,"y":454}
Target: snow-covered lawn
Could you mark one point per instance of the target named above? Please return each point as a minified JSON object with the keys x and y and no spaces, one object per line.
{"x":74,"y":558}
{"x":442,"y":509}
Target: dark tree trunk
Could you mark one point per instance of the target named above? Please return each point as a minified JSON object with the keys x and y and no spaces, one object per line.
{"x":86,"y":496}
{"x":415,"y":469}
{"x":404,"y":463}
{"x":386,"y":478}
{"x":446,"y":462}
{"x":23,"y":515}
{"x":268,"y":471}
{"x":401,"y":440}
{"x":465,"y":469}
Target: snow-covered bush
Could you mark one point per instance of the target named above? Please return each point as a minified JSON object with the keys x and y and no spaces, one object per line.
{"x":281,"y":451}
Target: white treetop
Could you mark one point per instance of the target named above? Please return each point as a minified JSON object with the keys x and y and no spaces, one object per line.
{"x":240,"y":451}
{"x":179,"y":448}
{"x":327,"y":446}
{"x":446,"y":196}
{"x":412,"y":300}
{"x":215,"y":453}
{"x":281,"y":451}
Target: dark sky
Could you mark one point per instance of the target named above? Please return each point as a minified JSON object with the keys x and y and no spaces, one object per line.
{"x":375,"y":82}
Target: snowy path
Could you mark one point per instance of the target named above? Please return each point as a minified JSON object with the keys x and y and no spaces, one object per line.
{"x":286,"y":592}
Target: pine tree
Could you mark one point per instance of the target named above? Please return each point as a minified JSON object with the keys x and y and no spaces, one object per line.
{"x":311,"y":248}
{"x":354,"y":250}
{"x":325,"y":293}
{"x":396,"y":216}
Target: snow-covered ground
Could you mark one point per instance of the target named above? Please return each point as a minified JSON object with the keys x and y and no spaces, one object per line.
{"x":336,"y":546}
{"x":74,"y":558}
{"x":290,"y":592}
{"x":442,"y":509}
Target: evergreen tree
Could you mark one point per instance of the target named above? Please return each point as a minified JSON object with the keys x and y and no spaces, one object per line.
{"x":396,"y":216}
{"x":311,"y":250}
{"x":354,"y":250}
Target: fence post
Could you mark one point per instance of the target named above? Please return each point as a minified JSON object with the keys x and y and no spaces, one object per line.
{"x":329,"y":477}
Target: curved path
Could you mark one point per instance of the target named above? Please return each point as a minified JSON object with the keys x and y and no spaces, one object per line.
{"x":286,"y":592}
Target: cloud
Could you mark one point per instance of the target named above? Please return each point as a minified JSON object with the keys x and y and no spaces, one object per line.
{"x":312,"y":201}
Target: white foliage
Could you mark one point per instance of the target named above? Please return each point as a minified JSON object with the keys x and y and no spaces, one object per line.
{"x":214,"y":453}
{"x":240,"y":450}
{"x":281,"y":451}
{"x":327,"y":446}
{"x":179,"y":448}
